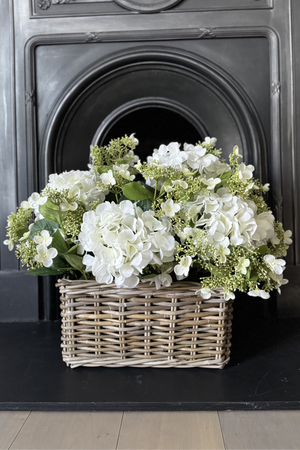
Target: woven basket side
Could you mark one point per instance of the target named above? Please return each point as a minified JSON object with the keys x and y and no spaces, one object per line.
{"x":169,"y":327}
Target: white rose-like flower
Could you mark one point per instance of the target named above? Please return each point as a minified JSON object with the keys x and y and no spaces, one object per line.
{"x":108,"y":178}
{"x":43,"y":239}
{"x":170,"y":208}
{"x":276,"y":265}
{"x":45,"y":255}
{"x":182,"y":269}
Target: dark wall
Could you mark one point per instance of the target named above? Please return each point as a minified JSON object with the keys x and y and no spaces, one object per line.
{"x":66,"y":66}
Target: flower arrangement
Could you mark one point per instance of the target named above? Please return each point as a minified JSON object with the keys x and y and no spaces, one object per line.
{"x":183,"y":214}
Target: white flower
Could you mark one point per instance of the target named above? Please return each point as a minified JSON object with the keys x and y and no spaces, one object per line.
{"x":25,"y":205}
{"x":123,"y":241}
{"x":266,"y":187}
{"x":170,"y":208}
{"x":182,"y":269}
{"x":123,"y":171}
{"x":210,"y":141}
{"x":236,"y":151}
{"x":242,"y":265}
{"x":228,"y":295}
{"x":276,"y":265}
{"x":43,"y":239}
{"x":222,"y":252}
{"x":245,"y":172}
{"x":205,"y":293}
{"x":280,"y":281}
{"x":65,"y":206}
{"x":132,"y":136}
{"x":259,"y":293}
{"x":181,"y":183}
{"x":168,"y":156}
{"x":45,"y":255}
{"x":108,"y":178}
{"x":9,"y":243}
{"x":35,"y":200}
{"x":287,"y":237}
{"x":211,"y":182}
{"x":80,"y":184}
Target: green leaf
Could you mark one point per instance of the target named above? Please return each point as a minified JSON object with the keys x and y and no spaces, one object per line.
{"x":104,"y":169}
{"x":225,"y":176}
{"x":145,"y":204}
{"x":59,"y":243}
{"x":60,"y":263}
{"x":124,"y":160}
{"x":263,"y":250}
{"x":21,"y":231}
{"x":51,"y":212}
{"x":74,"y":260}
{"x":166,"y":183}
{"x":252,"y":275}
{"x":43,"y":224}
{"x":45,"y":271}
{"x":135,"y":191}
{"x":73,"y":250}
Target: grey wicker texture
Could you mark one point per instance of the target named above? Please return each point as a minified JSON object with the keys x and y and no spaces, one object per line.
{"x":143,"y":327}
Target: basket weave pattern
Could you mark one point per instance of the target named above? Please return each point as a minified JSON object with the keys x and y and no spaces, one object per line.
{"x":143,"y":327}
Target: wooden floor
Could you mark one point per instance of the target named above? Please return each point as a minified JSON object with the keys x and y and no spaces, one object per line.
{"x":150,"y":430}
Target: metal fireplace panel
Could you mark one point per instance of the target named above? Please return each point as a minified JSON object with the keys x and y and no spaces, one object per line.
{"x":241,"y":55}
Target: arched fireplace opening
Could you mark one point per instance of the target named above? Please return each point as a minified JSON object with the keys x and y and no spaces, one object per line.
{"x":154,"y":121}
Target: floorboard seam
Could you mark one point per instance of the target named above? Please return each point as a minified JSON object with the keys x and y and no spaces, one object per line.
{"x":224,"y":443}
{"x":19,"y":430}
{"x":117,"y":444}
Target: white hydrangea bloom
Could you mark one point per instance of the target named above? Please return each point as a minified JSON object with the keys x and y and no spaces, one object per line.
{"x":81,"y":184}
{"x":123,"y":240}
{"x":229,"y":219}
{"x":168,"y":156}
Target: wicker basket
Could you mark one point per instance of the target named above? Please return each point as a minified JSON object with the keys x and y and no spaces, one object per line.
{"x":143,"y":327}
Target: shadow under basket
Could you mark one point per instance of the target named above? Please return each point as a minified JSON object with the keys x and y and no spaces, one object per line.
{"x":103,"y":325}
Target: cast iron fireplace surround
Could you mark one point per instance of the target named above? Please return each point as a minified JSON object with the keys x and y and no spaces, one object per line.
{"x":85,"y":72}
{"x":79,"y":72}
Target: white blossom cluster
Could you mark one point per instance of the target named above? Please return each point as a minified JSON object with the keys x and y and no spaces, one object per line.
{"x":191,"y":158}
{"x":123,"y":241}
{"x":81,"y":184}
